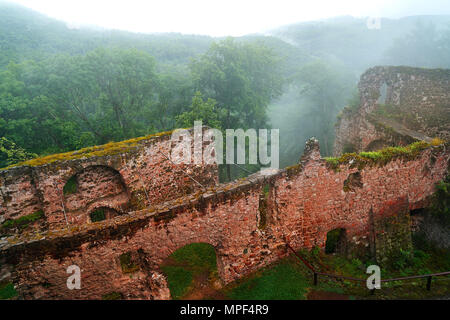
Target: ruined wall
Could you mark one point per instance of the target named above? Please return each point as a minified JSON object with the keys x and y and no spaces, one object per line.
{"x":392,"y":231}
{"x":398,"y":106}
{"x":123,"y":176}
{"x":18,"y":193}
{"x":248,"y":222}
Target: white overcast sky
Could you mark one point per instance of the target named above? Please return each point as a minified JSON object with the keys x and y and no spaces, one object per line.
{"x":221,"y":18}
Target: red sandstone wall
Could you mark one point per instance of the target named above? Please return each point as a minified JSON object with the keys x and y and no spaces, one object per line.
{"x":97,"y":186}
{"x":18,"y":194}
{"x":303,"y":204}
{"x":229,"y":226}
{"x":148,"y":178}
{"x":420,"y":96}
{"x":314,"y":202}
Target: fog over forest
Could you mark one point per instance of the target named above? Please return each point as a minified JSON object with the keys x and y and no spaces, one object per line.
{"x":64,"y":88}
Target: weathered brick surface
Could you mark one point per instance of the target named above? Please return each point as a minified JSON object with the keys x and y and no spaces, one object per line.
{"x":300,"y":205}
{"x":18,"y":194}
{"x":123,"y":182}
{"x":98,"y":186}
{"x":154,"y":208}
{"x":420,"y":99}
{"x":392,"y":230}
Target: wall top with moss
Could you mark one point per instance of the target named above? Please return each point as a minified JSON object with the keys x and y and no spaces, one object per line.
{"x":108,"y":149}
{"x":118,"y":177}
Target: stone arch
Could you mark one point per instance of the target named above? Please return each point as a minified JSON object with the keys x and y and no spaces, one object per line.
{"x":93,"y":187}
{"x":198,"y":264}
{"x":336,"y":241}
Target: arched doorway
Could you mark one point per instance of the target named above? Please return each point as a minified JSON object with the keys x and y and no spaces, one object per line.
{"x":191,"y":272}
{"x":336,"y":242}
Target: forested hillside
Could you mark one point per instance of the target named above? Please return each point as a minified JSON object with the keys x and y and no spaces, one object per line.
{"x":63,"y":88}
{"x":26,"y":34}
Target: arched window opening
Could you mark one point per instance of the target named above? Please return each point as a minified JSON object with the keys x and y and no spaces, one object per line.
{"x":336,"y":241}
{"x":71,"y":186}
{"x":191,"y":272}
{"x":93,"y":187}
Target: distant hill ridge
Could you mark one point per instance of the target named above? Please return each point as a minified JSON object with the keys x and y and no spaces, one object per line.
{"x":27,"y":34}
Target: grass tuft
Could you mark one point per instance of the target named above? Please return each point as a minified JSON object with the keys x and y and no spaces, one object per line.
{"x":381,"y":157}
{"x":7,"y":291}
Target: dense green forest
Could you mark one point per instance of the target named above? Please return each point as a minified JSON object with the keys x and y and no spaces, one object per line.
{"x":62,"y":89}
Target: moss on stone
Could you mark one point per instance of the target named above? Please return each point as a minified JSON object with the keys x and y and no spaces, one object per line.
{"x":110,"y":148}
{"x":21,"y":222}
{"x":381,"y":157}
{"x":293,"y":170}
{"x":388,"y":111}
{"x":437,"y":142}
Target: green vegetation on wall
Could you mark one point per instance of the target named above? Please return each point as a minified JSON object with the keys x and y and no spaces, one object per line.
{"x":22,"y":222}
{"x":381,"y":157}
{"x":112,"y":296}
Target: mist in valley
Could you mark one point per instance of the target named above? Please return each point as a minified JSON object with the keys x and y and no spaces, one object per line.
{"x":337,"y":52}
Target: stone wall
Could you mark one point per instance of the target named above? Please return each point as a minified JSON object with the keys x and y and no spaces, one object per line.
{"x":18,"y":193}
{"x":392,"y":231}
{"x":248,"y":222}
{"x":428,"y":226}
{"x":398,"y":105}
{"x":125,"y":176}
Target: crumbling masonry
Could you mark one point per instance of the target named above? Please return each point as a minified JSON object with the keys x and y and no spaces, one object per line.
{"x":398,"y":105}
{"x":153,"y":207}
